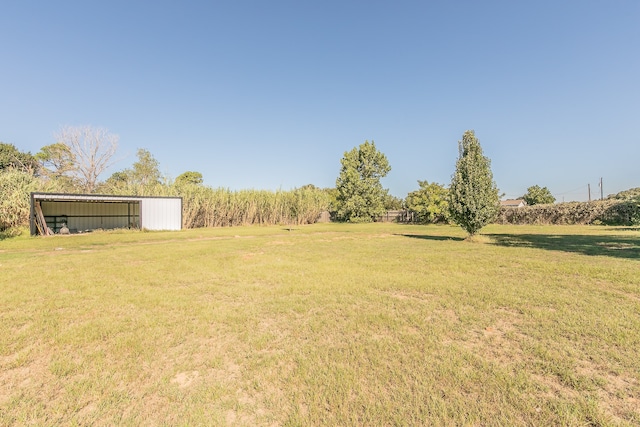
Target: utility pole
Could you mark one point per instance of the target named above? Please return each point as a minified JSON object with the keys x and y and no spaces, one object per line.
{"x":601,"y":190}
{"x":589,"y":188}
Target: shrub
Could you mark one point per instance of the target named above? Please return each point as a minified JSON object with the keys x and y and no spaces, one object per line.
{"x":610,"y":212}
{"x":15,"y":189}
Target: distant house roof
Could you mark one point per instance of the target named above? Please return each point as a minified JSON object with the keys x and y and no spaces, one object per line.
{"x":517,"y":203}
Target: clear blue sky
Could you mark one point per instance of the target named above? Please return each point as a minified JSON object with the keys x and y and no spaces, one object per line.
{"x":270,"y":94}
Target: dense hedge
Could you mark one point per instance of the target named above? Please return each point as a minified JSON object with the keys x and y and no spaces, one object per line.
{"x":609,"y":212}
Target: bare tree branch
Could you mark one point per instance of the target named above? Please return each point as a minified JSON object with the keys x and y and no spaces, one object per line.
{"x":93,"y":150}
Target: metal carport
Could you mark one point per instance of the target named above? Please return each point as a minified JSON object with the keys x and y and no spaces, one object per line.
{"x":86,"y":212}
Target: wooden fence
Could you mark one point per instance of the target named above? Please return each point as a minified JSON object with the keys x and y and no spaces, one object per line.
{"x":402,"y":216}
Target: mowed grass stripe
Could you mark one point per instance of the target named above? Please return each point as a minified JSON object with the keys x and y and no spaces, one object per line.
{"x":330,"y":324}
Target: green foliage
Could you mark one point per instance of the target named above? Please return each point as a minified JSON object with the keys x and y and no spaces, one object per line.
{"x":626,"y":212}
{"x":473,"y":195}
{"x":15,"y":187}
{"x":538,"y":196}
{"x":143,"y":179}
{"x":632,"y":194}
{"x":392,"y":203}
{"x":189,"y":177}
{"x":146,"y":171}
{"x":360,"y":195}
{"x":11,"y":157}
{"x":430,"y":202}
{"x":56,"y":159}
{"x":332,"y":195}
{"x":610,"y":211}
{"x":58,"y":164}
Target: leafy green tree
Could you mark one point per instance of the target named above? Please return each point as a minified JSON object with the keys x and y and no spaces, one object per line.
{"x":58,"y":163}
{"x":146,"y":171}
{"x":11,"y":157}
{"x":392,"y":203}
{"x":190,"y":177}
{"x":117,"y":183}
{"x":360,"y":195}
{"x":144,"y":177}
{"x":538,"y":196}
{"x":473,"y":194}
{"x":430,"y":202}
{"x":332,"y":196}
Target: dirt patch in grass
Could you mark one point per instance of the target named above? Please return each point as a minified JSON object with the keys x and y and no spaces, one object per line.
{"x":618,"y":392}
{"x":499,"y":341}
{"x":250,"y":255}
{"x":279,"y":243}
{"x":410,"y":295}
{"x":185,"y":379}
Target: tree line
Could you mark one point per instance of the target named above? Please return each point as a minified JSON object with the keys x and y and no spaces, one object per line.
{"x":80,"y":155}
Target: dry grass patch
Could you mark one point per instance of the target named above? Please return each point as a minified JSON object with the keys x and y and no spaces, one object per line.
{"x":330,"y":324}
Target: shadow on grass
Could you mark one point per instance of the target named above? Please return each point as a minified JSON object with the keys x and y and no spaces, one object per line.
{"x":613,"y":246}
{"x":427,"y":237}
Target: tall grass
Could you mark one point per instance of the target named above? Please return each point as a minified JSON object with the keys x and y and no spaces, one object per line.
{"x":209,"y":207}
{"x":15,"y":189}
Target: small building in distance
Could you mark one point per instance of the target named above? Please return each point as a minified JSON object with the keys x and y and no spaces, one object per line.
{"x":514,"y":203}
{"x":79,"y":213}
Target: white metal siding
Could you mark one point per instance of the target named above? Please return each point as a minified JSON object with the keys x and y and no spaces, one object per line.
{"x":161,"y":214}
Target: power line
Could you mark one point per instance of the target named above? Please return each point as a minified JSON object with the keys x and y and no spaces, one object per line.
{"x":581,"y":188}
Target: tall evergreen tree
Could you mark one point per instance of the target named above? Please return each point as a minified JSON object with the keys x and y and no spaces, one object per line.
{"x":360,"y":195}
{"x":473,"y":194}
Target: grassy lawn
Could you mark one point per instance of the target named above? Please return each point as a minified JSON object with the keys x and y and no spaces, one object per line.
{"x":329,"y":324}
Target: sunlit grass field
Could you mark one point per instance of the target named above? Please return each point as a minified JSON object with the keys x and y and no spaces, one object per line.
{"x":328,"y":324}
